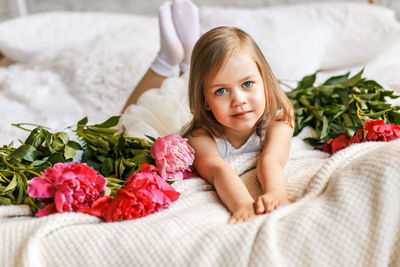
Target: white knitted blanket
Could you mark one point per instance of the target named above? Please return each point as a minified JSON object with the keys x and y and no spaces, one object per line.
{"x":345,"y":212}
{"x":345,"y":209}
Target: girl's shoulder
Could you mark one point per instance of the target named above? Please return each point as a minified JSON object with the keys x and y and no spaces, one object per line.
{"x":199,"y":132}
{"x":202,"y":142}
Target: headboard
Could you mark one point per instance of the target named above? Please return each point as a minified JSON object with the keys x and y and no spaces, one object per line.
{"x":22,"y":5}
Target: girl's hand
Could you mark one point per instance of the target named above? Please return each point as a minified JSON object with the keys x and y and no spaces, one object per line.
{"x":244,"y":213}
{"x":270,"y":201}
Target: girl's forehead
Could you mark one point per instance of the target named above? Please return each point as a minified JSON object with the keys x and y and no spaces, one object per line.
{"x":237,"y":66}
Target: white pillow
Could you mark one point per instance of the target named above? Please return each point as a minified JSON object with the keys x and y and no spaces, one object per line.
{"x":23,"y":37}
{"x":300,"y":39}
{"x":101,"y":73}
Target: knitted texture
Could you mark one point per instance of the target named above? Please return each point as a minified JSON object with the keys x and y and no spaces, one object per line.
{"x":345,"y":213}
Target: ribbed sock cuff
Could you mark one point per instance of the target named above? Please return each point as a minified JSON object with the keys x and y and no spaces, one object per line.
{"x":161,"y":67}
{"x":184,"y":67}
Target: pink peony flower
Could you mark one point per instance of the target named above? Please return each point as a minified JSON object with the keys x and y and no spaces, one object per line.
{"x":126,"y":205}
{"x":173,"y":156}
{"x":149,"y":183}
{"x":69,"y":187}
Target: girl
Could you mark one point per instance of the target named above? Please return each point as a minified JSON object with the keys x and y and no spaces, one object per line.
{"x":235,"y":98}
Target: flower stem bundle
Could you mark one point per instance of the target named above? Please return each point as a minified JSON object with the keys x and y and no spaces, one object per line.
{"x":341,"y":105}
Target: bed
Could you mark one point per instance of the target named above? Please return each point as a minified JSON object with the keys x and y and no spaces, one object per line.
{"x":345,"y":210}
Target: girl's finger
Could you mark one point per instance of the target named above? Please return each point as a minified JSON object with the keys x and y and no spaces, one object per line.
{"x":270,"y":206}
{"x":232,"y":220}
{"x":259,"y":206}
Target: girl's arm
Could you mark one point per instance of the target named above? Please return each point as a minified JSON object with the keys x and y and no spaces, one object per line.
{"x":227,"y":183}
{"x":270,"y":167}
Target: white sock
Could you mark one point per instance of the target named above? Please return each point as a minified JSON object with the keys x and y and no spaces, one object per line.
{"x":171,"y":49}
{"x":187,"y":24}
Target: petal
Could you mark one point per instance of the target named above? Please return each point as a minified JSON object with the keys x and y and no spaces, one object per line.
{"x":49,"y":209}
{"x":62,"y":200}
{"x":100,"y":205}
{"x":158,"y":148}
{"x":100,"y":182}
{"x":40,"y":188}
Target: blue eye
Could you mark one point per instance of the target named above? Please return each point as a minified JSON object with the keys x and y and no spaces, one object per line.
{"x":248,"y":84}
{"x":220,"y":91}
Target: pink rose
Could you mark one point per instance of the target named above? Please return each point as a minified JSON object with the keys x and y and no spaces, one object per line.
{"x":68,"y":187}
{"x":149,"y":183}
{"x":126,"y":205}
{"x":173,"y":156}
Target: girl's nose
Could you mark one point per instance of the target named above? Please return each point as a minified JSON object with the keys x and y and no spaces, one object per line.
{"x":238,"y":98}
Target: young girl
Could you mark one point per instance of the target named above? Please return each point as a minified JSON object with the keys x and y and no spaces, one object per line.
{"x":237,"y":107}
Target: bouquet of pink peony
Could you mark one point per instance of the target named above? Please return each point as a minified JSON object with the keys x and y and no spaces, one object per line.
{"x":117,"y":177}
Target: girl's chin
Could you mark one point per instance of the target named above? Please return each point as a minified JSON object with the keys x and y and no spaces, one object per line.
{"x":240,"y":129}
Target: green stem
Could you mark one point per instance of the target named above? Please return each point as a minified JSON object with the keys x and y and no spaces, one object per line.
{"x":18,"y":125}
{"x":6,"y":149}
{"x":34,"y":173}
{"x":358,"y":112}
{"x":285,"y":84}
{"x":18,"y":168}
{"x":8,"y":164}
{"x":5,"y":178}
{"x":377,"y":113}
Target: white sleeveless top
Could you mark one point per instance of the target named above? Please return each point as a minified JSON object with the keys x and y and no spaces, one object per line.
{"x":253,"y":144}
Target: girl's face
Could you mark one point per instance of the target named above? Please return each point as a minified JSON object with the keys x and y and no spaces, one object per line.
{"x":236,"y":95}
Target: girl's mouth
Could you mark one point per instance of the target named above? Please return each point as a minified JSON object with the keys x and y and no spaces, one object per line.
{"x":241,"y":115}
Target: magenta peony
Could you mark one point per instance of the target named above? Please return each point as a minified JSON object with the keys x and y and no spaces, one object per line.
{"x":69,"y":187}
{"x":173,"y":156}
{"x":149,"y":183}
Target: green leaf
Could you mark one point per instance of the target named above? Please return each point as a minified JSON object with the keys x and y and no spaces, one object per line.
{"x":307,"y":81}
{"x":5,"y":201}
{"x":107,"y":167}
{"x":83,"y":121}
{"x":69,"y":152}
{"x":353,"y":80}
{"x":55,"y":158}
{"x":151,"y":138}
{"x":62,"y":137}
{"x":36,"y":137}
{"x":21,"y":189}
{"x":74,"y":145}
{"x":337,"y":79}
{"x":26,"y":152}
{"x":325,"y":127}
{"x":111,"y":122}
{"x":97,"y":130}
{"x":13,"y":183}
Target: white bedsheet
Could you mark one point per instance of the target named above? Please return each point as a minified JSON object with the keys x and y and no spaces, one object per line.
{"x":346,"y":214}
{"x":346,"y":207}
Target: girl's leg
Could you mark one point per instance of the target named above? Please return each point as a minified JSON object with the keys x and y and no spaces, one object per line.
{"x":171,"y":53}
{"x":150,"y":80}
{"x":187,"y":24}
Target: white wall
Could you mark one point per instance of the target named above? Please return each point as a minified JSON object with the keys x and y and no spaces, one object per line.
{"x":149,"y":7}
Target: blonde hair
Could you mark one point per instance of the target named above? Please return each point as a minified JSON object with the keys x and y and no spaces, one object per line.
{"x":209,"y":54}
